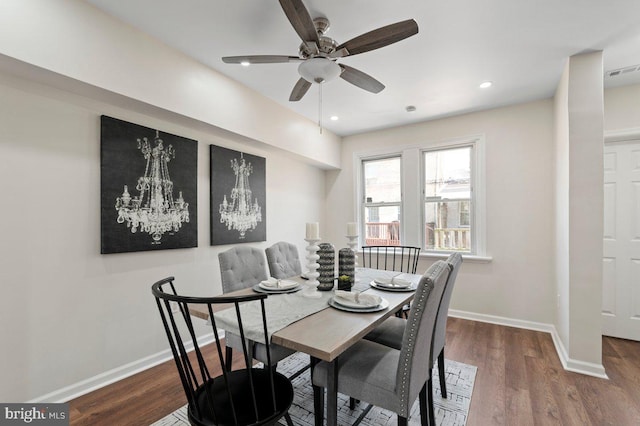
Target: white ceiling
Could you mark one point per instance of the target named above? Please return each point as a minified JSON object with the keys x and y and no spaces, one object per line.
{"x":519,"y":45}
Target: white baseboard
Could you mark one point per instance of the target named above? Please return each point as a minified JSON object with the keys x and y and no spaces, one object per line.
{"x":101,"y":380}
{"x":576,"y":366}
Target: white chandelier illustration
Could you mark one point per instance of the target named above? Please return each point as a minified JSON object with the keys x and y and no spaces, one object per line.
{"x":240,"y":214}
{"x":154,"y":210}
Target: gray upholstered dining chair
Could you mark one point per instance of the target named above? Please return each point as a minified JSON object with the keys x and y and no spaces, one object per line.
{"x":243,"y":267}
{"x":387,"y":377}
{"x":391,"y":331}
{"x":283,"y":260}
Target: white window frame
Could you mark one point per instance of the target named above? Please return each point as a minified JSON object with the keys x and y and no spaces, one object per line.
{"x":363,"y":202}
{"x":412,"y":181}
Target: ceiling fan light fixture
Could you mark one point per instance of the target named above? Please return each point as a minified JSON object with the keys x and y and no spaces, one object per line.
{"x":319,"y":70}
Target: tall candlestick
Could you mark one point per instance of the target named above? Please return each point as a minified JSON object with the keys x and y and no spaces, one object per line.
{"x":352,"y":229}
{"x":312,"y":260}
{"x":313,"y":231}
{"x":353,"y":245}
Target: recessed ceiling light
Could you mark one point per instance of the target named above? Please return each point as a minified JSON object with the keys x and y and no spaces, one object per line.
{"x":245,"y":63}
{"x":486,"y":84}
{"x":334,"y":118}
{"x":410,"y":108}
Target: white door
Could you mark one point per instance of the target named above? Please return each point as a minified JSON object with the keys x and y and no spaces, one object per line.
{"x":621,"y":257}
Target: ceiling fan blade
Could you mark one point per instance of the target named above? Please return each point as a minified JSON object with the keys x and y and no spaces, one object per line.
{"x":260,"y":59}
{"x":378,"y":38}
{"x":360,"y":79}
{"x":300,"y":19}
{"x":299,"y":90}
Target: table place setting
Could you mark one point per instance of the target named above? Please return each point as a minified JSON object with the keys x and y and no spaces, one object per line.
{"x":277,"y":286}
{"x":357,"y":302}
{"x":393,"y":284}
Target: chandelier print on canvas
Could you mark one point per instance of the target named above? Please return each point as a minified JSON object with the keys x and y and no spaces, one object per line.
{"x":153,"y":210}
{"x":240,"y":213}
{"x":237,"y":196}
{"x":152,"y":207}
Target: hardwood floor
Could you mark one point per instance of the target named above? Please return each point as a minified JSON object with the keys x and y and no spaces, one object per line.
{"x":520,"y":381}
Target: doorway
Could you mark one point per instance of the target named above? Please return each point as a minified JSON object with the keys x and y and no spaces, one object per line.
{"x":621,"y":246}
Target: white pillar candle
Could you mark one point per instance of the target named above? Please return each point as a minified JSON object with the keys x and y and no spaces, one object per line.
{"x":313,"y":231}
{"x":352,"y":229}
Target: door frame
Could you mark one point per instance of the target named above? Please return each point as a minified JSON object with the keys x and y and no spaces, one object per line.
{"x":616,"y":136}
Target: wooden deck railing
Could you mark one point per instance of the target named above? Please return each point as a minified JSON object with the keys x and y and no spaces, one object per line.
{"x":382,"y":234}
{"x":388,"y":234}
{"x":450,"y":238}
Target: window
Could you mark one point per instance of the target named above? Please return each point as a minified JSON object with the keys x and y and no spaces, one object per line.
{"x":447,"y":199}
{"x":382,"y":201}
{"x":430,"y":196}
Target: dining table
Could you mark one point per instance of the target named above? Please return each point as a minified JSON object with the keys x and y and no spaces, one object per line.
{"x":306,"y":320}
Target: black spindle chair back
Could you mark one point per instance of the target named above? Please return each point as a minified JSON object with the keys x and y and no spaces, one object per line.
{"x":249,"y":396}
{"x":391,"y":258}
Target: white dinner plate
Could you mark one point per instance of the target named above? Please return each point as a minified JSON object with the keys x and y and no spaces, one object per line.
{"x":258,"y":289}
{"x":393,"y":282}
{"x":284,"y":285}
{"x":374,"y":284}
{"x":381,"y":307}
{"x":352,"y":303}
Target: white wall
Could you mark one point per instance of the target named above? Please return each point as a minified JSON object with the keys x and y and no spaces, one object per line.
{"x":579,"y":211}
{"x":67,"y":312}
{"x":74,"y":39}
{"x":518,"y":283}
{"x":622,"y":108}
{"x":561,"y":190}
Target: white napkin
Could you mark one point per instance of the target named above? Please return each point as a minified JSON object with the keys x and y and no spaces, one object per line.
{"x":362,"y":299}
{"x":393,"y":282}
{"x":276,"y":283}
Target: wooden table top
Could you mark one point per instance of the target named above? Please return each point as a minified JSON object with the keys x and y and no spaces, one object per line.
{"x":328,"y":333}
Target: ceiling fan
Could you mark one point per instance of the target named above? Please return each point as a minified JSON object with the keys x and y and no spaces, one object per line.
{"x":318,"y":53}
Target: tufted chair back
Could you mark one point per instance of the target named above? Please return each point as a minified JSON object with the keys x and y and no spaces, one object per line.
{"x":241,"y":267}
{"x":454,"y":261}
{"x":283,"y":260}
{"x":418,"y":335}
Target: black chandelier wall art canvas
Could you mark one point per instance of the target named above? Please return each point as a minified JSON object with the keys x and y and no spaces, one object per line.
{"x":149,"y":191}
{"x":238,"y":197}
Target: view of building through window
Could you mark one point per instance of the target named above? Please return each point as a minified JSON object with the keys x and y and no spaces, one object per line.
{"x":382,"y":199}
{"x":447,"y":203}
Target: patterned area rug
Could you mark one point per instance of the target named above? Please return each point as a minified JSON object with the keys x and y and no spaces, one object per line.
{"x":452,"y":411}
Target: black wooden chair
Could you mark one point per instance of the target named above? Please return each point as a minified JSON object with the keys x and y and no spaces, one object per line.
{"x":391,"y":258}
{"x":249,"y":396}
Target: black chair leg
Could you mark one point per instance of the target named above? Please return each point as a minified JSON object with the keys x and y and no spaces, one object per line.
{"x":432,"y":414}
{"x":424,"y":407}
{"x":287,"y":418}
{"x":443,"y":382}
{"x":228,"y":358}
